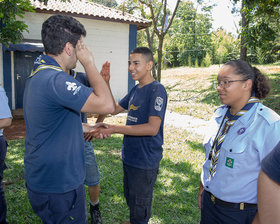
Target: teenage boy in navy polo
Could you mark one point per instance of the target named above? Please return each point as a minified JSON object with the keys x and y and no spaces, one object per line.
{"x":53,"y":100}
{"x":143,"y":135}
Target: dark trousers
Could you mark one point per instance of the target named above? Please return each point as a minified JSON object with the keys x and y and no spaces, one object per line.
{"x":138,"y":191}
{"x":3,"y":206}
{"x":62,"y":208}
{"x":215,"y":214}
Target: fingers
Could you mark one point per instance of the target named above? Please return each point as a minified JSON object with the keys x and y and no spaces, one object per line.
{"x":84,"y":54}
{"x":99,"y":132}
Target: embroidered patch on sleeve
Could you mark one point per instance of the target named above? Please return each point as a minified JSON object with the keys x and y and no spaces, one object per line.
{"x":71,"y":86}
{"x":158,"y":103}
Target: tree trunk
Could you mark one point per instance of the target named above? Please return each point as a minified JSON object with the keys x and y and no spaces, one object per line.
{"x":243,"y":49}
{"x":150,"y":43}
{"x":160,"y":45}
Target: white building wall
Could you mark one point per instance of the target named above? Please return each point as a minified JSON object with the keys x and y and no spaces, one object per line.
{"x":109,"y":41}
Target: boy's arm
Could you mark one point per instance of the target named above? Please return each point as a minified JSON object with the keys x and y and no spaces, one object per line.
{"x":106,"y":75}
{"x":148,"y":129}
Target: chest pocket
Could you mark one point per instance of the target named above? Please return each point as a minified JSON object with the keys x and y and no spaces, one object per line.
{"x":236,"y":148}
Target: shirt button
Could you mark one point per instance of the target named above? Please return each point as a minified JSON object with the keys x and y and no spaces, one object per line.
{"x":207,"y":187}
{"x":261,"y":109}
{"x":230,"y":150}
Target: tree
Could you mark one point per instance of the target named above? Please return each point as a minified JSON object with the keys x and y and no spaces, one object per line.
{"x":108,"y":3}
{"x":224,"y":47}
{"x":162,"y":18}
{"x":11,"y":29}
{"x":190,"y":34}
{"x":260,"y":25}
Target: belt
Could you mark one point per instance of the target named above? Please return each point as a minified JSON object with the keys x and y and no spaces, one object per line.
{"x":239,"y":206}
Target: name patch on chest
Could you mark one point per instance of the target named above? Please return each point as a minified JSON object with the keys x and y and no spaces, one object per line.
{"x":229,"y":162}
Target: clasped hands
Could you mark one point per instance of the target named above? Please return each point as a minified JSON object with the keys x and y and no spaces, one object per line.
{"x":99,"y":131}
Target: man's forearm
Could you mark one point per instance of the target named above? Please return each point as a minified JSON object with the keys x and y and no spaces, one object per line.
{"x":6,"y":122}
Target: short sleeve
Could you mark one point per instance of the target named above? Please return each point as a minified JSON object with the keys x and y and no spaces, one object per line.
{"x":69,"y":92}
{"x":5,"y":111}
{"x":158,"y":101}
{"x":271,"y":164}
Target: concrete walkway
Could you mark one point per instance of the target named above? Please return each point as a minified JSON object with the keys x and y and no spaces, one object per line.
{"x":186,"y":122}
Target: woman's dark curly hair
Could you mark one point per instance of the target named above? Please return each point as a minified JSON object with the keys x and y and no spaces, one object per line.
{"x":261,"y":85}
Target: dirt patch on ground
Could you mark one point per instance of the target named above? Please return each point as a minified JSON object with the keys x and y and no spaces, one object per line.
{"x":16,"y":130}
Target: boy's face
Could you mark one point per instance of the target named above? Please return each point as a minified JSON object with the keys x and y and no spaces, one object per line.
{"x":139,"y":68}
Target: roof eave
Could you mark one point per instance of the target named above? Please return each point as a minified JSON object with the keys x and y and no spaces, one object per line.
{"x":139,"y":25}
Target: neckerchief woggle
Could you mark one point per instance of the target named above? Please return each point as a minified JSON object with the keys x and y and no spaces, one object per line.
{"x":44,"y":62}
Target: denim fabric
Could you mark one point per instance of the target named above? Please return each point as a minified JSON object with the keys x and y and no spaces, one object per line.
{"x":92,"y":172}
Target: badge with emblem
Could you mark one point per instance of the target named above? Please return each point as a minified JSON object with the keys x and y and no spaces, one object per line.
{"x":229,"y":162}
{"x":158,"y":103}
{"x":241,"y":131}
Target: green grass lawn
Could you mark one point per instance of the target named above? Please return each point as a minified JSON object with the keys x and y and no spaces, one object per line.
{"x":191,"y":91}
{"x":175,"y":193}
{"x":175,"y":190}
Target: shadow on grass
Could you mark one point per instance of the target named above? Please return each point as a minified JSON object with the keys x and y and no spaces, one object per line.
{"x":196,"y":146}
{"x":175,"y":196}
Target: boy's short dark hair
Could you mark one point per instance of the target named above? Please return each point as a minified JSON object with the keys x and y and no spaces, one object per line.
{"x":148,"y":54}
{"x":58,"y":30}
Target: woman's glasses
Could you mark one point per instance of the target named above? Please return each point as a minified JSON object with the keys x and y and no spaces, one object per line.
{"x":225,"y":84}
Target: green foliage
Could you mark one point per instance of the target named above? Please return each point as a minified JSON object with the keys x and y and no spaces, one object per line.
{"x":189,"y":61}
{"x":11,"y":29}
{"x":262,"y":30}
{"x":108,"y":3}
{"x":206,"y":60}
{"x":224,"y":47}
{"x":196,"y":63}
{"x":189,"y":35}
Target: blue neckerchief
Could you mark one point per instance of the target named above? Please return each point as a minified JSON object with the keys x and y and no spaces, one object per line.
{"x":44,"y":62}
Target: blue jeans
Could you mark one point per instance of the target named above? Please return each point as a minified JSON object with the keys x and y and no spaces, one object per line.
{"x":216,"y":214}
{"x":3,"y":205}
{"x":92,"y":172}
{"x":63,"y":208}
{"x":138,"y":191}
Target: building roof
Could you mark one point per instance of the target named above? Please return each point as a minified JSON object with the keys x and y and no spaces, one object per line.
{"x":87,"y":9}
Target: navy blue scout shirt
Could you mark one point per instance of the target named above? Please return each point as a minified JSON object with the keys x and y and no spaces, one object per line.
{"x":54,"y":155}
{"x":271,"y":164}
{"x":82,"y":78}
{"x":144,"y":152}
